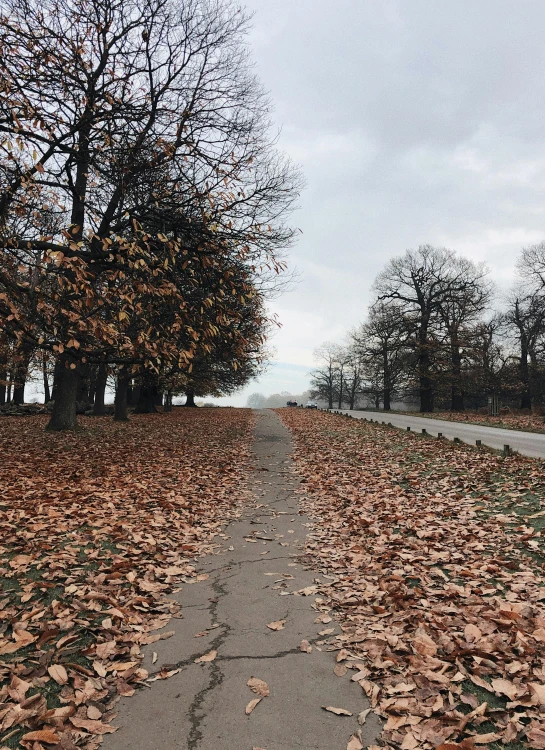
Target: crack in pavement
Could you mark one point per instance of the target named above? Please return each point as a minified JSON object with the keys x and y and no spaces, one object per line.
{"x":216,"y":643}
{"x":216,"y":676}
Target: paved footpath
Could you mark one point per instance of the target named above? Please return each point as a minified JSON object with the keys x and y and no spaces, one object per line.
{"x":203,"y":706}
{"x":527,"y":443}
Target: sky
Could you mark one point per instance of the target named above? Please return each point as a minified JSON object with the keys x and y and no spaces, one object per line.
{"x":414,"y":123}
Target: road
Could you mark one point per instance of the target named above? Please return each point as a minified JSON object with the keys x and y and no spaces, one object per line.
{"x":526,"y":443}
{"x":255,"y":580}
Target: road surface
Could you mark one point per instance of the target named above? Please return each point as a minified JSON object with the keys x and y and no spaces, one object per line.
{"x":252,"y":582}
{"x":526,"y":443}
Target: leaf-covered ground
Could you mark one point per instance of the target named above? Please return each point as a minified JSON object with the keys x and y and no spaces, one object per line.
{"x":525,"y":422}
{"x":436,"y":556}
{"x":96,"y":529}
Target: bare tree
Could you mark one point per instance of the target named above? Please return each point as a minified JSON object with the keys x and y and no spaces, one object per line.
{"x":420,"y":283}
{"x":327,"y":379}
{"x":354,"y":367}
{"x":460,"y":308}
{"x":525,"y":318}
{"x":382,"y":344}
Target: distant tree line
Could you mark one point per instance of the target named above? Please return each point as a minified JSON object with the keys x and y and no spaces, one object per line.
{"x":143,"y":204}
{"x":434,"y":337}
{"x":275,"y":400}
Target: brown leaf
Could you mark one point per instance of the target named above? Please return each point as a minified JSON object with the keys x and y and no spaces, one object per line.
{"x":105,"y":650}
{"x":251,"y":705}
{"x":210,"y":656}
{"x":258,"y":686}
{"x":505,"y":687}
{"x":423,"y":644}
{"x":92,"y":726}
{"x":58,"y":673}
{"x":354,"y":743}
{"x":539,"y":692}
{"x":276,"y":625}
{"x":337,"y":711}
{"x":536,"y":737}
{"x":42,"y":735}
{"x":472,"y":633}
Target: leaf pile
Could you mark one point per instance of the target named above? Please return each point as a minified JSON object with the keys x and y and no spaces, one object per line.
{"x":97,"y":528}
{"x":436,"y":557}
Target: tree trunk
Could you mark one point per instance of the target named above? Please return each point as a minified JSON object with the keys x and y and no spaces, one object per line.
{"x":100,"y":389}
{"x":457,"y":394}
{"x":87,"y":387}
{"x":135,"y":395}
{"x":121,"y":391}
{"x":386,"y":398}
{"x":3,"y":376}
{"x":377,"y":402}
{"x":57,"y":370}
{"x":19,"y":392}
{"x":526,"y":397}
{"x":536,"y":391}
{"x":426,"y":385}
{"x":330,"y":399}
{"x":10,"y":384}
{"x":22,"y":361}
{"x":190,"y":399}
{"x":168,"y":401}
{"x":85,"y":374}
{"x":386,"y":394}
{"x":424,"y":364}
{"x":130,"y":393}
{"x":47,"y":393}
{"x":64,"y":415}
{"x":146,"y":401}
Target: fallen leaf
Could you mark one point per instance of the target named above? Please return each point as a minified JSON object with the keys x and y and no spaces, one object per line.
{"x":337,"y":711}
{"x":58,"y":673}
{"x":251,"y":705}
{"x":362,"y":716}
{"x":92,"y":726}
{"x":277,"y":625}
{"x":42,"y":735}
{"x":539,"y":691}
{"x":354,"y":743}
{"x":536,"y":737}
{"x":505,"y":687}
{"x":258,"y":686}
{"x":210,"y":656}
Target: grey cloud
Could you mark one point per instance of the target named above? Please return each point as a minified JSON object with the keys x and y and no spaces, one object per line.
{"x":414,"y":121}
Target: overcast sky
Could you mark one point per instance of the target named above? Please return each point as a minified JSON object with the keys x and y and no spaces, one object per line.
{"x":414,"y":122}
